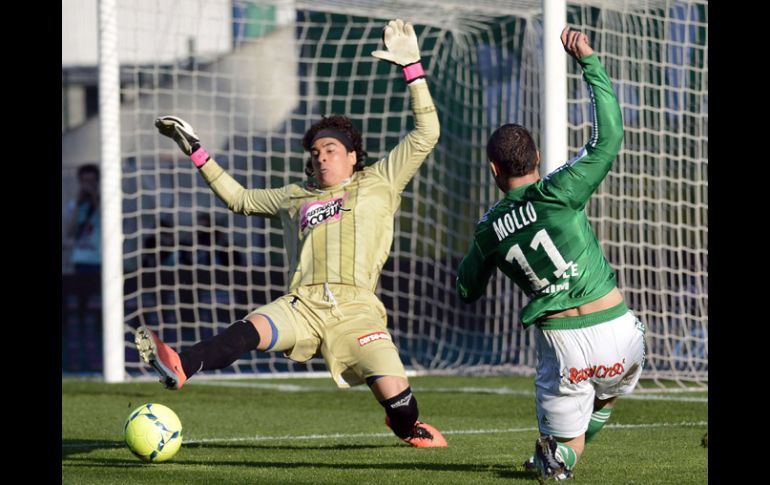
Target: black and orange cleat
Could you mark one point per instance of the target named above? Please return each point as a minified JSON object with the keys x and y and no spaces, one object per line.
{"x":423,"y":436}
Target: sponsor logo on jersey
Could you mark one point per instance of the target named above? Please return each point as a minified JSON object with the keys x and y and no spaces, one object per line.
{"x":320,"y":211}
{"x":557,"y":287}
{"x":571,"y":270}
{"x":371,"y":337}
{"x":402,"y":402}
{"x":597,"y":371}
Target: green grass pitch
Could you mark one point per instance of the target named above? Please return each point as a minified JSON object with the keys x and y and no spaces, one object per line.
{"x":306,"y":431}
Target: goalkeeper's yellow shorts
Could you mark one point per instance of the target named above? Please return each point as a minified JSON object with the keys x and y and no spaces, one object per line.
{"x":344,"y":324}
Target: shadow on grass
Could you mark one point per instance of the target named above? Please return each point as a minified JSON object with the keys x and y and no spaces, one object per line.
{"x":72,"y":448}
{"x":503,"y":471}
{"x":76,"y":447}
{"x":309,"y":447}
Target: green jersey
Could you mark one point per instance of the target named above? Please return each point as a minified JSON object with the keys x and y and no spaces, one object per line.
{"x":539,"y":234}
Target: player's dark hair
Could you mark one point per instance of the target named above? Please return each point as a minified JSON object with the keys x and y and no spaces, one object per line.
{"x":514,"y":150}
{"x":340,"y":123}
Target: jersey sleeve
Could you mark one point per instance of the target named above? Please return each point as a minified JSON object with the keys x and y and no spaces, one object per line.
{"x":405,"y":159}
{"x":264,"y":202}
{"x":473,"y":274}
{"x":575,"y":181}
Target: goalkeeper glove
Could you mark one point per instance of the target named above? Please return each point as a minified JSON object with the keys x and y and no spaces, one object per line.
{"x":401,"y":42}
{"x":182,"y":133}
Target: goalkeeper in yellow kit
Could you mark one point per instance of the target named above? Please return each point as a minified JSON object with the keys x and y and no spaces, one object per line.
{"x":338,"y":229}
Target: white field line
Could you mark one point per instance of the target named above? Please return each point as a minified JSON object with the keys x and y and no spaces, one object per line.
{"x":448,"y":432}
{"x":506,"y":391}
{"x":337,"y":436}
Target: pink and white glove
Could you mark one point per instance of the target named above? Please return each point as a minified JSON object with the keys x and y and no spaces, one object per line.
{"x":402,"y":49}
{"x":183,"y":134}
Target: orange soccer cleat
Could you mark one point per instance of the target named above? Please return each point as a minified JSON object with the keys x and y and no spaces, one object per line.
{"x":423,"y":436}
{"x":161,"y":357}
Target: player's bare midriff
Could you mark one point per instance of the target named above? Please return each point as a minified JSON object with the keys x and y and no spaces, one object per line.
{"x":607,"y":301}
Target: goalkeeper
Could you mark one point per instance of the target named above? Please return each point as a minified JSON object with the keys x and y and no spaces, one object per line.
{"x":338,"y":229}
{"x":590,"y":347}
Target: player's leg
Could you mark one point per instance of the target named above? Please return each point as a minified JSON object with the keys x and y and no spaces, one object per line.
{"x":608,"y":357}
{"x":559,"y":447}
{"x":255,"y":332}
{"x":563,"y":407}
{"x":599,"y":416}
{"x":270,"y":328}
{"x":358,"y":348}
{"x":401,"y":412}
{"x":627,"y":333}
{"x":377,"y":363}
{"x":556,"y":457}
{"x":602,"y":411}
{"x":217,"y":352}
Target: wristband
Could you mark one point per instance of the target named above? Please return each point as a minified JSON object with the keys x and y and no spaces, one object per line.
{"x":413,"y":71}
{"x":200,"y":157}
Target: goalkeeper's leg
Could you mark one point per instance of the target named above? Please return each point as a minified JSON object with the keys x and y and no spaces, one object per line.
{"x":274,"y":327}
{"x":217,"y":352}
{"x":401,"y":412}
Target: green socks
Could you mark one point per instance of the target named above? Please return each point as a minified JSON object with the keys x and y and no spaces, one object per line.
{"x":598,"y":418}
{"x":568,"y":455}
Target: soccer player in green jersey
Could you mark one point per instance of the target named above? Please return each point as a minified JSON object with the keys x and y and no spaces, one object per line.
{"x":338,"y":229}
{"x":590,"y":347}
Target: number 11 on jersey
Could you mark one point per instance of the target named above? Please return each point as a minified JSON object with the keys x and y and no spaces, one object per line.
{"x":541,"y":239}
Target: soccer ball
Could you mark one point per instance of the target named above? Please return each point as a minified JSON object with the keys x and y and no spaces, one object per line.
{"x":153,"y":432}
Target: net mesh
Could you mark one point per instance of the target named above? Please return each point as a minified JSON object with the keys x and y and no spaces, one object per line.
{"x":251,"y":77}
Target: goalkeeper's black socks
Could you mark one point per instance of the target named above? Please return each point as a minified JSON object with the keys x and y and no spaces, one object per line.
{"x":402,"y":413}
{"x":220,"y":350}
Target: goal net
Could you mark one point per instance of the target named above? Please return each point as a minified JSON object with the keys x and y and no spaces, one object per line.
{"x":252,"y":76}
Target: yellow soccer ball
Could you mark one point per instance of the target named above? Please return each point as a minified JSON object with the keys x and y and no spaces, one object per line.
{"x":153,"y":432}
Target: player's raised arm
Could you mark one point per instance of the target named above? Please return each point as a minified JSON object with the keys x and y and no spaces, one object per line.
{"x":580,"y":177}
{"x":403,"y":50}
{"x":233,"y":194}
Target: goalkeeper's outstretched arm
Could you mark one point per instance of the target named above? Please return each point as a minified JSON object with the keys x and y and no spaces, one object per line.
{"x":237,"y":198}
{"x":405,"y":159}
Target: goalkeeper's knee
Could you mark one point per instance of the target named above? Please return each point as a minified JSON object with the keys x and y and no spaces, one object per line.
{"x":402,"y":413}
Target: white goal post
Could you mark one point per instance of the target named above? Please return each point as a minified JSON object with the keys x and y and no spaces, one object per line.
{"x":251,"y":76}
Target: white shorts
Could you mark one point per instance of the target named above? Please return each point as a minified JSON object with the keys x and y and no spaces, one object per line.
{"x":575,"y":366}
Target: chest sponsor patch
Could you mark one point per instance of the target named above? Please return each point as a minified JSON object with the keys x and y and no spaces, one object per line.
{"x":371,"y":337}
{"x":320,"y":211}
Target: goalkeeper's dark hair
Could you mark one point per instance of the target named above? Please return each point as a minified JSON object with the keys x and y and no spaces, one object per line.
{"x":343,"y":124}
{"x":514,"y":150}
